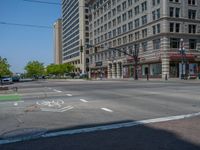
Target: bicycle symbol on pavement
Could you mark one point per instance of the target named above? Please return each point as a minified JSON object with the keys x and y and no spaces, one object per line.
{"x":53,"y":103}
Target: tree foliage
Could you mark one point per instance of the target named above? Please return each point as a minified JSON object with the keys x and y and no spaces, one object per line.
{"x":4,"y":67}
{"x":34,"y":68}
{"x":59,"y":69}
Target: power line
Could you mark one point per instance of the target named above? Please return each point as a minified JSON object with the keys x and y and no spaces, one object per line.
{"x":42,"y":2}
{"x":25,"y":25}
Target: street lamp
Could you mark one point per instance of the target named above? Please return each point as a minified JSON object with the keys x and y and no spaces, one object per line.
{"x":182,"y":58}
{"x":135,"y":56}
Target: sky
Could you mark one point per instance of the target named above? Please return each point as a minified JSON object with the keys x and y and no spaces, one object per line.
{"x":21,"y":44}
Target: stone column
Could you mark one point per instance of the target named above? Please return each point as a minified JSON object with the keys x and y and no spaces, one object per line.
{"x":109,"y":71}
{"x":165,"y":57}
{"x":119,"y":72}
{"x":113,"y":70}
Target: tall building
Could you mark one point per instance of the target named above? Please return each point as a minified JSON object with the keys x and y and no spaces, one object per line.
{"x":75,"y":33}
{"x":58,"y":41}
{"x":151,"y":28}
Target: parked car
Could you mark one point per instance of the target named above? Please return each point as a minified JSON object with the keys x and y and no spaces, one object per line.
{"x":6,"y":80}
{"x":15,"y":78}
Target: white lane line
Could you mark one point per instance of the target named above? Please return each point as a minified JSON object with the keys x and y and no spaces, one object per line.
{"x":83,"y":100}
{"x":106,"y":109}
{"x":69,"y":94}
{"x":101,"y":128}
{"x":57,"y":91}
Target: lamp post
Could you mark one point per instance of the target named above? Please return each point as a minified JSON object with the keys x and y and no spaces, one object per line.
{"x":135,"y":56}
{"x":182,"y":59}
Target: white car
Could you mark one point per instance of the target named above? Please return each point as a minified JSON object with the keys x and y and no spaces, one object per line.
{"x":6,"y":80}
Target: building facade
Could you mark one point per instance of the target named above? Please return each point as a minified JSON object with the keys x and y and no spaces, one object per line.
{"x":58,"y":42}
{"x":151,"y":29}
{"x":75,"y":33}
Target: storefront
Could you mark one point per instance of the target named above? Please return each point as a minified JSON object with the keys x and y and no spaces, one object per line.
{"x":99,"y":71}
{"x":188,"y":68}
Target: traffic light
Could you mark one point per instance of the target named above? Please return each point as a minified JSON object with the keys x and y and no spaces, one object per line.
{"x":81,"y":48}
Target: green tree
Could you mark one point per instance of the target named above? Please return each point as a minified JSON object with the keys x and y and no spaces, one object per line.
{"x":59,"y":69}
{"x":4,"y":67}
{"x":34,"y":68}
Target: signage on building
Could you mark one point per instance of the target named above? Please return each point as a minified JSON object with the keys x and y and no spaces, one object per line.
{"x":179,"y":56}
{"x":99,"y":63}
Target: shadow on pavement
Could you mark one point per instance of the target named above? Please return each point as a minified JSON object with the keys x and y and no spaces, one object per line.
{"x":140,"y":137}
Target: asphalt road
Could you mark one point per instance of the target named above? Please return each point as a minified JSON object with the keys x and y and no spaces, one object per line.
{"x":51,"y":106}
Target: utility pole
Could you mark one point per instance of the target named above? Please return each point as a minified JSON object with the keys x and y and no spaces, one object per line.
{"x":182,"y":59}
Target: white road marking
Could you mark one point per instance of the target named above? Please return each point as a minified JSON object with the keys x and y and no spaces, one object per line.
{"x":15,"y":104}
{"x":57,"y":91}
{"x":69,"y":94}
{"x":102,"y":128}
{"x":57,"y":110}
{"x":106,"y":109}
{"x":83,"y":100}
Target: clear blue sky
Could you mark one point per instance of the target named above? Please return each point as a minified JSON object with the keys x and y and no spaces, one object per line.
{"x":21,"y":44}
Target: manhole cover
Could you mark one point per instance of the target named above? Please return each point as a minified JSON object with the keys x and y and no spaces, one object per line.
{"x":23,"y":133}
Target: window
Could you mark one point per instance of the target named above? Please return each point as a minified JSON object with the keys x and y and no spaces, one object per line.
{"x":119,"y":30}
{"x":114,"y":32}
{"x":130,"y":25}
{"x":119,"y":41}
{"x":191,"y":14}
{"x":144,"y":46}
{"x":137,"y":35}
{"x":156,"y":44}
{"x":192,"y":43}
{"x":144,"y":6}
{"x":154,"y":15}
{"x":114,"y":12}
{"x":191,"y":2}
{"x":124,"y":40}
{"x":158,"y":13}
{"x":119,"y":19}
{"x":130,"y":37}
{"x":158,"y":28}
{"x":124,"y":17}
{"x":171,"y":11}
{"x":114,"y":22}
{"x":144,"y":33}
{"x":118,"y":8}
{"x":137,"y":23}
{"x":192,"y":28}
{"x":177,"y":13}
{"x":154,"y":29}
{"x":137,"y":10}
{"x":174,"y":43}
{"x":124,"y":28}
{"x":171,"y":27}
{"x":144,"y":20}
{"x":130,"y":14}
{"x":109,"y":14}
{"x":124,"y":5}
{"x":177,"y":27}
{"x":130,"y":2}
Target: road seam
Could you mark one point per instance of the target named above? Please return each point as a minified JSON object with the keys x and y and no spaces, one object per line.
{"x":101,"y":128}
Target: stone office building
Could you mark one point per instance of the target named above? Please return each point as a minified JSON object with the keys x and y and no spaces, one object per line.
{"x":153,"y":28}
{"x":75,"y":32}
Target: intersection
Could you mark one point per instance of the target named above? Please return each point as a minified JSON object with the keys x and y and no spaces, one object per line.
{"x":54,"y":106}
